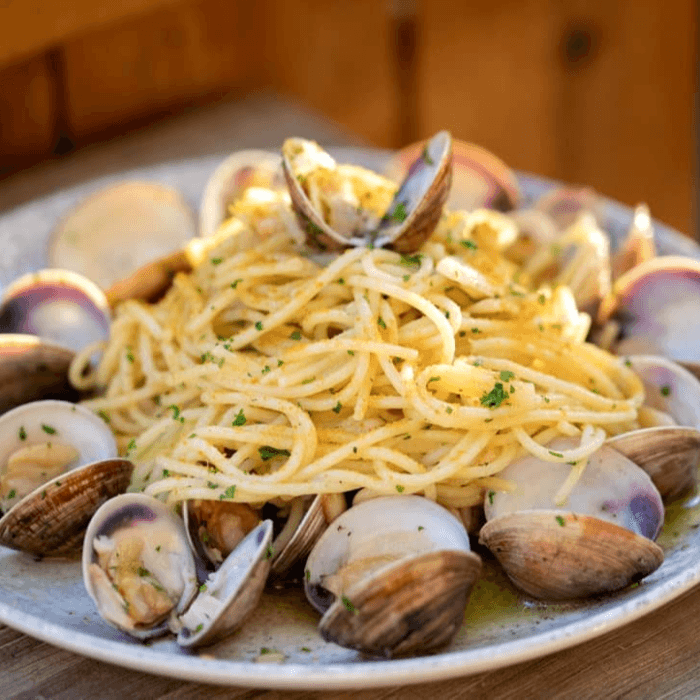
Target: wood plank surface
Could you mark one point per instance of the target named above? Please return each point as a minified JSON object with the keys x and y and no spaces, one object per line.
{"x":590,"y":91}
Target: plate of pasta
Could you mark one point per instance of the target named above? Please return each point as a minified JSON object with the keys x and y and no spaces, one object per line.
{"x":268,"y":373}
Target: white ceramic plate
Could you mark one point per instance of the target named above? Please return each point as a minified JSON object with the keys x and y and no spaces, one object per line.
{"x":46,"y":599}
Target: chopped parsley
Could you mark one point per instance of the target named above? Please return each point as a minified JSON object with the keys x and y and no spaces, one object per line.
{"x":399,"y":214}
{"x":48,"y":429}
{"x":143,"y":572}
{"x":348,"y":604}
{"x":129,"y":354}
{"x":560,"y":520}
{"x":337,"y":407}
{"x":665,"y":390}
{"x":506,"y":375}
{"x":230,"y":492}
{"x":556,"y":454}
{"x":216,"y":261}
{"x":542,"y":299}
{"x":175,"y":410}
{"x":12,"y":494}
{"x":351,"y":352}
{"x":381,"y":323}
{"x":265,"y":369}
{"x":495,"y":397}
{"x":399,"y":488}
{"x":131,"y":445}
{"x":470,"y":245}
{"x":266,"y":452}
{"x":240,"y":419}
{"x":203,"y":588}
{"x":234,"y":284}
{"x":22,"y":433}
{"x":433,"y":379}
{"x":258,"y":325}
{"x":296,"y":335}
{"x":426,"y":157}
{"x":491,"y":496}
{"x":411,"y":260}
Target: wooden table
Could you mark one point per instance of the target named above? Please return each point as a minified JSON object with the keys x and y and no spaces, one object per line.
{"x":657,"y":656}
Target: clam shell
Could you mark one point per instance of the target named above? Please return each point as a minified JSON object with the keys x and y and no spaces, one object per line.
{"x":232,"y":592}
{"x":411,"y":572}
{"x":419,"y":199}
{"x":51,"y":521}
{"x":59,"y":306}
{"x":127,"y":510}
{"x":119,"y":228}
{"x":479,"y":178}
{"x":557,"y":555}
{"x":230,"y":178}
{"x":322,"y":510}
{"x":415,"y":606}
{"x":669,"y":454}
{"x":655,"y":304}
{"x":31,"y":370}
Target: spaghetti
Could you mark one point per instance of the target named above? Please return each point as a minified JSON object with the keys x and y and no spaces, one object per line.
{"x":264,"y":375}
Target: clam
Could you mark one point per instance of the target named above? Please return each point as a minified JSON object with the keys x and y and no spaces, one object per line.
{"x":137,"y":565}
{"x":242,"y":169}
{"x":598,"y":541}
{"x":638,"y":246}
{"x":391,"y":576}
{"x":654,"y":309}
{"x":58,"y":464}
{"x":667,"y":447}
{"x":58,"y":306}
{"x":329,"y":209}
{"x":216,"y":528}
{"x":120,"y":228}
{"x":142,"y":575}
{"x":32,"y":369}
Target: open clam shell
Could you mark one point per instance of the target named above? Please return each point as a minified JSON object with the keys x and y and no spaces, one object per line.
{"x":599,"y":540}
{"x":392,"y":576}
{"x":230,"y":593}
{"x":410,"y":217}
{"x":137,"y":565}
{"x":119,"y":228}
{"x":58,"y":464}
{"x":215,"y":528}
{"x":51,"y":520}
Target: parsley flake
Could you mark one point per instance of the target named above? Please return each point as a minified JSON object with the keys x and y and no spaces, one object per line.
{"x":22,"y":433}
{"x":506,"y":375}
{"x":399,"y":214}
{"x":348,"y":604}
{"x":470,"y":245}
{"x":495,"y":397}
{"x":240,"y":419}
{"x":665,"y":390}
{"x":266,"y":452}
{"x":258,"y":325}
{"x":560,"y":520}
{"x":296,"y":335}
{"x":48,"y":429}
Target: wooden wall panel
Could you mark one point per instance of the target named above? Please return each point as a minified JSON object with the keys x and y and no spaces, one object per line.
{"x":338,"y":58}
{"x":158,"y":62}
{"x":30,"y":27}
{"x":27,"y":111}
{"x":593,"y":91}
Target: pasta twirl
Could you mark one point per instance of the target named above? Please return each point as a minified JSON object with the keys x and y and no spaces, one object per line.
{"x":264,"y":375}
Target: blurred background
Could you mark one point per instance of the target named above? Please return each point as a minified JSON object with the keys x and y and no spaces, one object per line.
{"x":599,"y":92}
